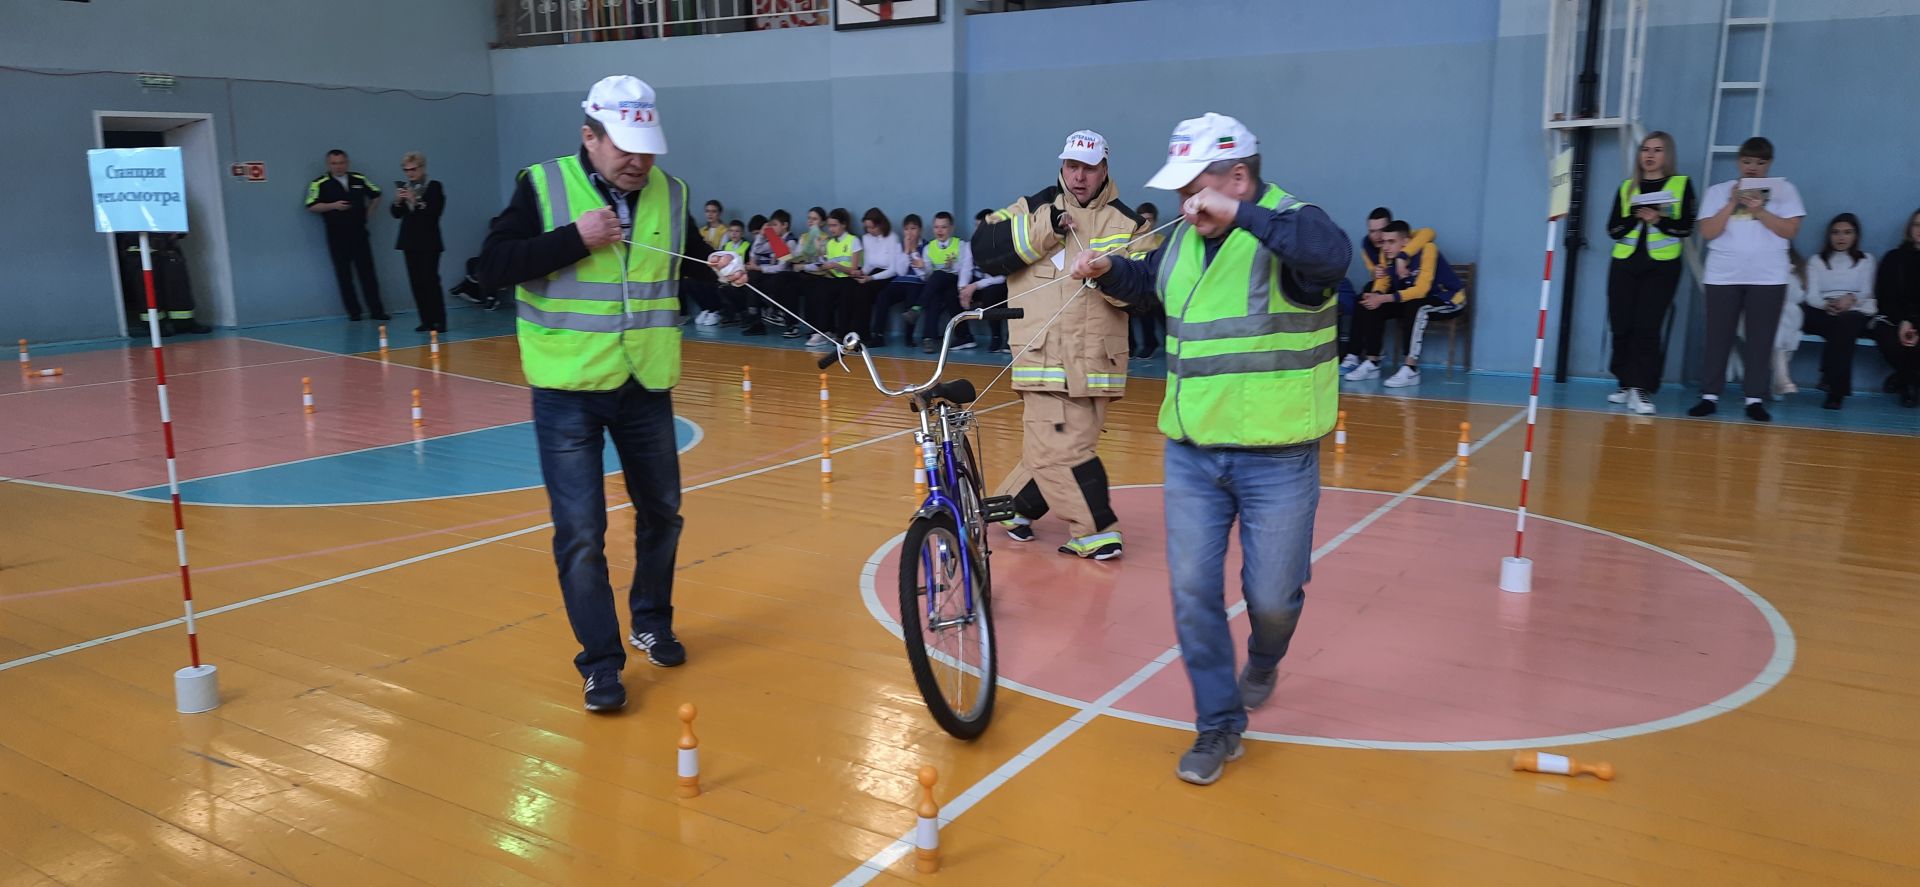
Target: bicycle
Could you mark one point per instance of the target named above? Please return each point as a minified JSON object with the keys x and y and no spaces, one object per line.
{"x":946,"y":584}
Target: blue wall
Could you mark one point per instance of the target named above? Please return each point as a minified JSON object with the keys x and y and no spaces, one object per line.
{"x":760,"y":120}
{"x":1432,"y":109}
{"x":1830,"y":74}
{"x":274,"y":91}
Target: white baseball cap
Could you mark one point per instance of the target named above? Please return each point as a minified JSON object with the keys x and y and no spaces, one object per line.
{"x":1198,"y":142}
{"x":625,"y":106}
{"x":1086,"y":146}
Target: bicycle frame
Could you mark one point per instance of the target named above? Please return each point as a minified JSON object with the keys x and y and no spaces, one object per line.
{"x":942,"y":475}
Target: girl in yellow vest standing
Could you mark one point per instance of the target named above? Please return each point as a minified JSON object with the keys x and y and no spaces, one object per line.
{"x":1652,"y":214}
{"x":599,"y":335}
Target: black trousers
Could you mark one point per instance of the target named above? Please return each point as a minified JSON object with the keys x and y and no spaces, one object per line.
{"x":1842,"y":332}
{"x":352,"y":253}
{"x":1369,"y":327}
{"x":1638,"y":296}
{"x":1904,"y":360}
{"x":423,"y":276}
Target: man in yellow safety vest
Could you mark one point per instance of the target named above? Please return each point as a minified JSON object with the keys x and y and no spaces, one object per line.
{"x":1252,"y":385}
{"x":590,"y":241}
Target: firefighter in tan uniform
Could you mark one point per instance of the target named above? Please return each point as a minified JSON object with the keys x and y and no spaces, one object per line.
{"x":1068,"y":367}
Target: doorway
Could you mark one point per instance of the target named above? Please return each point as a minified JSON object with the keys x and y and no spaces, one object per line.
{"x":209,"y":270}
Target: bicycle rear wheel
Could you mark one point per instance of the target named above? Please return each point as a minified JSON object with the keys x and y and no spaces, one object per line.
{"x":949,"y":644}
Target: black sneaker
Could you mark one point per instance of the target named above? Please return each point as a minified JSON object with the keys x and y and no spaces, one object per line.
{"x":1017,"y":531}
{"x":999,"y":348}
{"x":793,"y":332}
{"x":1834,"y":401}
{"x":662,"y":648}
{"x":1757,"y":411}
{"x":468,"y":289}
{"x":382,"y":315}
{"x":490,"y":304}
{"x":605,"y":692}
{"x":1704,"y":408}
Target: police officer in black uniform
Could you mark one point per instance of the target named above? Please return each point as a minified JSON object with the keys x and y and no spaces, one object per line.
{"x":345,"y":201}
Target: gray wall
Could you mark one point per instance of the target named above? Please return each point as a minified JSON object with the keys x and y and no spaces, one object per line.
{"x":272,"y":83}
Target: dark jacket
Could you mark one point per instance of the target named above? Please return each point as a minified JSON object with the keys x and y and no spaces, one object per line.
{"x":1897,"y":285}
{"x":1313,"y":250}
{"x":360,"y":191}
{"x":518,"y":247}
{"x":420,"y":228}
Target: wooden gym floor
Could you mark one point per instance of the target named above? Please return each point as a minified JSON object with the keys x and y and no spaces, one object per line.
{"x":1728,"y":614}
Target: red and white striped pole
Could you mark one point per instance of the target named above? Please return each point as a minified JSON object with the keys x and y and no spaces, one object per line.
{"x":196,"y":688}
{"x":1516,"y":573}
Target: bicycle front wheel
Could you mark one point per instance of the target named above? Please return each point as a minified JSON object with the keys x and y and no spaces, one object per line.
{"x":947,"y":620}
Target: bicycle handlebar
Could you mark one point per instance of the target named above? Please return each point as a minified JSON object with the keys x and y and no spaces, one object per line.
{"x":852,"y":345}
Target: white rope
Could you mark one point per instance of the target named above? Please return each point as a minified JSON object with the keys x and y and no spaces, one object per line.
{"x":756,"y":290}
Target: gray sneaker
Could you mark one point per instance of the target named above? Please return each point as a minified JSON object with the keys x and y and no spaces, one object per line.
{"x":1203,"y":763}
{"x":1256,"y":685}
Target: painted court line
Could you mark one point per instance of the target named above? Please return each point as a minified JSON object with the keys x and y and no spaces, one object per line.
{"x":138,"y":379}
{"x":370,"y":571}
{"x":892,"y":853}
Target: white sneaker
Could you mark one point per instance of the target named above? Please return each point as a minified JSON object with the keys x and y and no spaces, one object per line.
{"x":1363,"y":371}
{"x":707,"y":318}
{"x":1638,"y":402}
{"x":816,"y":340}
{"x":1407,"y":377}
{"x":1349,"y":362}
{"x":1618,"y":396}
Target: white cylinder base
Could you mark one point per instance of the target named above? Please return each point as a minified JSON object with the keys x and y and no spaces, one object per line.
{"x":196,"y":688}
{"x":1516,"y":575}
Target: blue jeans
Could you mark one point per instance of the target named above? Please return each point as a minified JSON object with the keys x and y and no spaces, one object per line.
{"x":1274,"y":494}
{"x":570,"y":426}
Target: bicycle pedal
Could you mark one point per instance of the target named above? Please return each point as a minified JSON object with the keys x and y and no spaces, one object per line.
{"x":994,"y":509}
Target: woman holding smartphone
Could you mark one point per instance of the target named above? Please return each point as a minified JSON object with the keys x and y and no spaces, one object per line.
{"x":417,"y":203}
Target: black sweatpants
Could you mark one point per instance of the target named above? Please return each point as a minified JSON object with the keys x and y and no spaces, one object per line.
{"x":1639,"y":293}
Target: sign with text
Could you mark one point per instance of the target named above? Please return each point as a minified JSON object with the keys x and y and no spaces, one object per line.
{"x":1561,"y":196}
{"x":138,"y":189}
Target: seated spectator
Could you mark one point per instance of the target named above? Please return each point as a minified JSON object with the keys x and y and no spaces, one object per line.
{"x":837,"y":283}
{"x":878,"y":249}
{"x":1147,"y":329}
{"x":1897,"y":288}
{"x":807,"y":290}
{"x":734,"y":299}
{"x":906,"y":284}
{"x":714,"y":230}
{"x":1838,"y":304}
{"x":1377,"y":222}
{"x":771,"y":276}
{"x":947,"y":261}
{"x":1413,"y":286}
{"x":986,"y":291}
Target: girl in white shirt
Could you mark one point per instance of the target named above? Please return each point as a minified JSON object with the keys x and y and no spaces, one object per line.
{"x":1838,"y":303}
